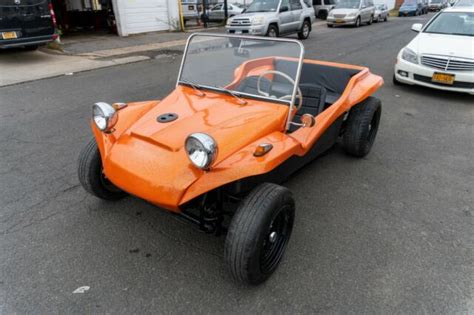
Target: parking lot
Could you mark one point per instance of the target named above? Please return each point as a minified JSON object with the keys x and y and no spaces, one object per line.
{"x":390,"y":233}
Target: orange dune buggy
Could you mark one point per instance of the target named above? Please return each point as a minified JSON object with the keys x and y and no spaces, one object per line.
{"x":240,"y":121}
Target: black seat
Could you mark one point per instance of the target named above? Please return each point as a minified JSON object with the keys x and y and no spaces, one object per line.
{"x":314,"y":99}
{"x":249,"y":85}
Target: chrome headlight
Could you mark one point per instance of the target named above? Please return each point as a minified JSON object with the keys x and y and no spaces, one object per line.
{"x":104,"y":115}
{"x":229,"y":21}
{"x":201,"y":149}
{"x":258,"y":20}
{"x":409,"y":55}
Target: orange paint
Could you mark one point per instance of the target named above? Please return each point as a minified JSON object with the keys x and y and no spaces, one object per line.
{"x":147,"y":158}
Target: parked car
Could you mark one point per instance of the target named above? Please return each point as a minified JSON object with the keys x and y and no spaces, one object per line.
{"x":441,"y":55}
{"x":437,"y":5}
{"x":381,"y":13}
{"x":322,"y":8}
{"x":215,"y":150}
{"x":191,"y":10}
{"x":217,"y":13}
{"x":274,"y":18}
{"x":426,"y":6}
{"x":411,"y":8}
{"x":352,"y":12}
{"x":26,"y":23}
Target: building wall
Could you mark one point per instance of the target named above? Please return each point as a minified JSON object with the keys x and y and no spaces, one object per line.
{"x":141,"y":16}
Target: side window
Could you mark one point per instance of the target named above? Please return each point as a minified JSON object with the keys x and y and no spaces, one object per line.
{"x":285,"y":3}
{"x":307,"y":3}
{"x":316,"y":2}
{"x":295,"y":5}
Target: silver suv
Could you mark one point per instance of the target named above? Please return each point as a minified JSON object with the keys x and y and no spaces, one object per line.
{"x":274,"y":18}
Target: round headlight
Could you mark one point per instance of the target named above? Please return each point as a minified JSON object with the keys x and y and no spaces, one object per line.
{"x":104,"y":115}
{"x":201,"y":149}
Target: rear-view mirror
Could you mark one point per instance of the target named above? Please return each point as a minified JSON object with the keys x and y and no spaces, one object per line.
{"x":417,"y":27}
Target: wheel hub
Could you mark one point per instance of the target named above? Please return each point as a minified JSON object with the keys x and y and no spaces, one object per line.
{"x":272,"y":237}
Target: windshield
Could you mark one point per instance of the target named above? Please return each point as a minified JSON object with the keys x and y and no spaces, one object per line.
{"x":347,"y":4}
{"x":435,"y":1}
{"x":452,"y":23}
{"x":245,"y":67}
{"x":410,"y":3}
{"x":263,"y":6}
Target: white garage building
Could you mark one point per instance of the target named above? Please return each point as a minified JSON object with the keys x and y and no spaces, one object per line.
{"x":140,"y":16}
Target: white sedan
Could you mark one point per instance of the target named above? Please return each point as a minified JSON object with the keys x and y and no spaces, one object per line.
{"x":441,"y":56}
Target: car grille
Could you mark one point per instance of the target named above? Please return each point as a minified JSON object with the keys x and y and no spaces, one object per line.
{"x":339,"y":16}
{"x":458,"y":84}
{"x":447,"y":63}
{"x":240,"y":22}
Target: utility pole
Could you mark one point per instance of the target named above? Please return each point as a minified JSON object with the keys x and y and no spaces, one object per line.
{"x":226,"y":14}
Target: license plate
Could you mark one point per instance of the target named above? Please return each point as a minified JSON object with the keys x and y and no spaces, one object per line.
{"x":443,"y":78}
{"x":238,"y":32}
{"x":9,"y":35}
{"x":339,"y":21}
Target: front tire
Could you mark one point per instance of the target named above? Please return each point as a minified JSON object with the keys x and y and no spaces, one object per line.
{"x":259,"y":233}
{"x":362,"y":126}
{"x":357,"y":22}
{"x":305,"y":30}
{"x":91,"y":176}
{"x":371,"y":20}
{"x":272,"y":31}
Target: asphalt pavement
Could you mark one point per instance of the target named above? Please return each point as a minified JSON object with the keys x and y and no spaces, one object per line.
{"x":390,"y":233}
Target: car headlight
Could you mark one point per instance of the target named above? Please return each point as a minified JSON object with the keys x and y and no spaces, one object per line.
{"x":330,"y":14}
{"x":229,"y":21}
{"x":258,"y":20}
{"x":201,"y":149}
{"x":105,"y":116}
{"x":352,"y":14}
{"x":409,"y":55}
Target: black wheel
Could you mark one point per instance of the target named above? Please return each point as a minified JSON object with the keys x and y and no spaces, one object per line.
{"x":259,"y":233}
{"x":323,"y":15}
{"x":370,"y":21}
{"x":330,"y":25}
{"x":30,"y":47}
{"x":386,"y":18}
{"x":362,"y":126}
{"x":357,"y":22}
{"x":91,"y":176}
{"x":395,"y":81}
{"x":272,"y":31}
{"x":305,"y":30}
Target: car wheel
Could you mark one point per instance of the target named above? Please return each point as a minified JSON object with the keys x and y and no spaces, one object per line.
{"x":386,"y":18}
{"x":370,"y":20}
{"x":362,"y":126}
{"x":330,"y":25}
{"x":91,"y":176}
{"x":323,"y":15}
{"x":272,"y":31}
{"x":357,"y":22}
{"x":305,"y":30}
{"x":259,"y":233}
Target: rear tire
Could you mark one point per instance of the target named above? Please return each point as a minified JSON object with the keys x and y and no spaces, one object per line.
{"x":362,"y":126}
{"x":91,"y":176}
{"x":259,"y":233}
{"x":305,"y":30}
{"x":371,"y":20}
{"x":330,"y":25}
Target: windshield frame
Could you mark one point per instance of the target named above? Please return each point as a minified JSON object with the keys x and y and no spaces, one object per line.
{"x":291,"y":103}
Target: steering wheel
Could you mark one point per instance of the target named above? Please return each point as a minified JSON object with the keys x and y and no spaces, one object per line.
{"x":284,"y":97}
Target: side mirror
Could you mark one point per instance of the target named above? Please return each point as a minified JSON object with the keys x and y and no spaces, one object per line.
{"x":308,"y":120}
{"x":284,"y":9}
{"x":417,"y":27}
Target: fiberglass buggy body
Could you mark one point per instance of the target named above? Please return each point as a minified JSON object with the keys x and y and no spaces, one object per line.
{"x":240,"y":121}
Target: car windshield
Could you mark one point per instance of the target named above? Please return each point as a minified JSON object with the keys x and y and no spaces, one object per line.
{"x":464,"y":3}
{"x":244,"y":67}
{"x":452,"y":23}
{"x":347,"y":4}
{"x":435,"y":1}
{"x":409,"y":3}
{"x":263,"y":6}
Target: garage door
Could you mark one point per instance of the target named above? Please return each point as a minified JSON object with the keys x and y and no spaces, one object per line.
{"x":139,"y":16}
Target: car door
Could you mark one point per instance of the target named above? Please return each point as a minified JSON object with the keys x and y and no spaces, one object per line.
{"x":285,"y":17}
{"x":364,"y":11}
{"x":296,"y":12}
{"x":216,"y":12}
